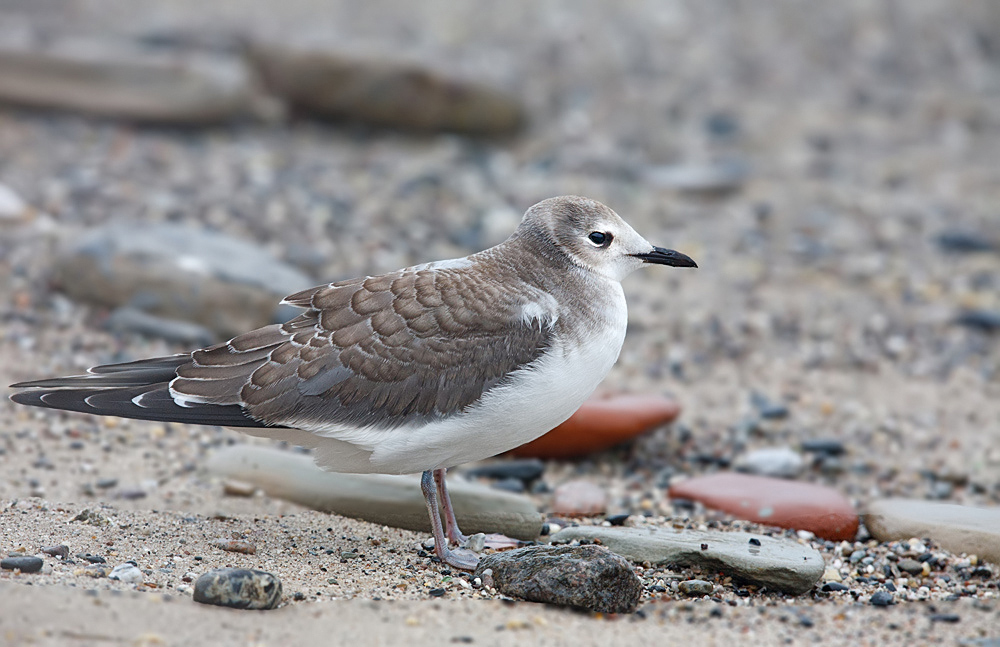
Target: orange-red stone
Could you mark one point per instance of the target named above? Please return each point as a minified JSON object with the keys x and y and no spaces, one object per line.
{"x":775,"y":502}
{"x":602,"y":423}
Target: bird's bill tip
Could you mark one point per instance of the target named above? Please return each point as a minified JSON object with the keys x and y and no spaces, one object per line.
{"x":661,"y":256}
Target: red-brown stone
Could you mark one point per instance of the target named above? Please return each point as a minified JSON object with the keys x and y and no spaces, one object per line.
{"x":775,"y":502}
{"x":602,"y":423}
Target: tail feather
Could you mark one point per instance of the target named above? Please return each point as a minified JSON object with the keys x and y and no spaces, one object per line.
{"x":138,"y":390}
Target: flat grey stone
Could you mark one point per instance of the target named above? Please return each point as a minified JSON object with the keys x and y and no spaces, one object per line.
{"x":177,"y":272}
{"x":23,"y":563}
{"x":585,"y":577}
{"x":958,"y":528}
{"x":132,"y":320}
{"x":380,"y":498}
{"x":778,"y":564}
{"x":120,"y":78}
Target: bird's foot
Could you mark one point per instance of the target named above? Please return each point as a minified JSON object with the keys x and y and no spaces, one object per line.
{"x":461,"y":558}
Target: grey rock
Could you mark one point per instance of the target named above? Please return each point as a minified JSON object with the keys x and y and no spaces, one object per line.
{"x":781,"y":462}
{"x":881,"y":599}
{"x":964,"y":242}
{"x":23,"y":563}
{"x":61,"y":551}
{"x":696,"y":587}
{"x":239,"y":588}
{"x":380,"y":498}
{"x":585,"y":577}
{"x":984,"y":320}
{"x":958,"y":528}
{"x":911,"y":566}
{"x":779,"y":564}
{"x":121,"y":78}
{"x":824,"y":446}
{"x":131,"y":320}
{"x":167,"y":270}
{"x":382,"y":92}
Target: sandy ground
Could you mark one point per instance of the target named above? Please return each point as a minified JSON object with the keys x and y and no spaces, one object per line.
{"x":869,"y":129}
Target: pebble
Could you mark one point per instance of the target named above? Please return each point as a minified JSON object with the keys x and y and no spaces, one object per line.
{"x":476,"y":543}
{"x":61,"y":551}
{"x":715,"y":178}
{"x":232,"y":487}
{"x":127,"y":572}
{"x":23,"y":563}
{"x":600,"y":424}
{"x":696,"y":587}
{"x":585,"y":577}
{"x":825,"y":446}
{"x":106,"y":483}
{"x":767,"y":408}
{"x":882,"y":599}
{"x":781,"y":462}
{"x":960,"y":529}
{"x":780,"y":564}
{"x":911,"y":566}
{"x":235,"y":546}
{"x":12,"y":207}
{"x":183,"y":273}
{"x":509,"y":485}
{"x":238,"y":588}
{"x":526,"y":470}
{"x":802,"y":506}
{"x":579,"y":499}
{"x":966,"y":242}
{"x":984,"y":320}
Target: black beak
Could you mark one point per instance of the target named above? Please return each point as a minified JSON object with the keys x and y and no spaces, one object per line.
{"x":661,"y":256}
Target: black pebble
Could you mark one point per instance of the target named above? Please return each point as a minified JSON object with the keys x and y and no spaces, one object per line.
{"x":524,"y":470}
{"x":25,"y":564}
{"x":985,"y":320}
{"x":617,"y":519}
{"x":826,"y":446}
{"x":834,"y":586}
{"x":881,"y":599}
{"x":945,"y":617}
{"x":437,"y":593}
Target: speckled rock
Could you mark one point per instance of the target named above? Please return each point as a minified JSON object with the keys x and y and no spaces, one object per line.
{"x":238,"y":588}
{"x":778,"y":564}
{"x":226,"y":284}
{"x":586,"y":577}
{"x":801,"y":506}
{"x":127,"y":572}
{"x":962,"y":529}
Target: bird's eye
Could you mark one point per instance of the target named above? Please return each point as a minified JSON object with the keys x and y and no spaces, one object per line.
{"x":600,"y":238}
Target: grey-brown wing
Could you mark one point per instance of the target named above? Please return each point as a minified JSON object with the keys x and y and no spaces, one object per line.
{"x":385,"y":351}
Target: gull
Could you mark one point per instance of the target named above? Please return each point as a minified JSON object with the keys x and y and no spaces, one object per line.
{"x":416,"y":370}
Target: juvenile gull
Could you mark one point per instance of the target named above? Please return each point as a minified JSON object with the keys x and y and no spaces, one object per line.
{"x":416,"y":370}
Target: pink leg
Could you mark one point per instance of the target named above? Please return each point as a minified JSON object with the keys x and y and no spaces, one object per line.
{"x":459,"y":558}
{"x":455,"y":535}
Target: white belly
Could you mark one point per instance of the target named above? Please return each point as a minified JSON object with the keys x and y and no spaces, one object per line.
{"x":532,"y":403}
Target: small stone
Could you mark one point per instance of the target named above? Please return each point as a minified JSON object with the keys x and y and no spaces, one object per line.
{"x":825,"y":446}
{"x":984,"y":320}
{"x":911,"y":566}
{"x":696,"y":587}
{"x":801,"y":506}
{"x":950,"y":618}
{"x":476,"y":543}
{"x":617,"y":519}
{"x":587,"y":577}
{"x":235,"y":546}
{"x":93,"y":559}
{"x":831,"y":574}
{"x":106,"y":483}
{"x":830,"y":587}
{"x":23,"y":563}
{"x":127,"y":572}
{"x":509,"y":485}
{"x":767,"y":408}
{"x":882,"y":599}
{"x":526,"y":470}
{"x":232,"y":487}
{"x":12,"y":207}
{"x":781,"y":462}
{"x":61,"y":551}
{"x":966,"y":242}
{"x":602,"y":423}
{"x":579,"y":499}
{"x":238,"y":588}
